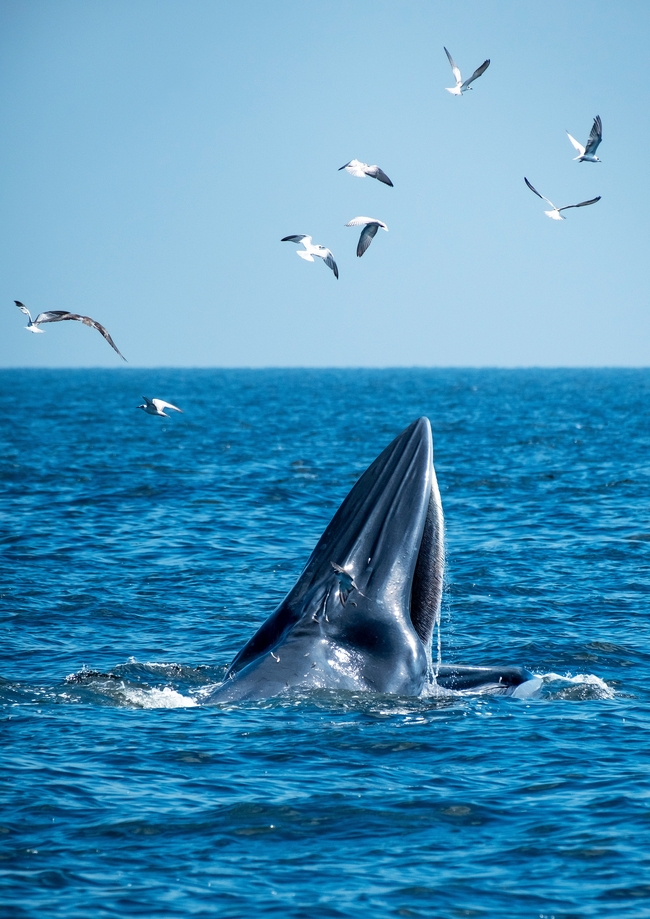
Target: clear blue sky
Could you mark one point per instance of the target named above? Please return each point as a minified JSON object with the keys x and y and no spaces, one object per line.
{"x":154,"y":153}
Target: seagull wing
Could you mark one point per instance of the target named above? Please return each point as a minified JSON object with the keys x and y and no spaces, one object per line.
{"x":376,"y":173}
{"x":477,"y":73}
{"x":23,"y":309}
{"x":582,"y":204}
{"x":294,"y":239}
{"x":367,"y":235}
{"x":148,"y":401}
{"x":61,"y":315}
{"x":360,"y":221}
{"x":161,"y":405}
{"x":329,"y":261}
{"x":578,"y":146}
{"x":537,"y":193}
{"x":454,"y":68}
{"x":595,"y":136}
{"x":356,"y":168}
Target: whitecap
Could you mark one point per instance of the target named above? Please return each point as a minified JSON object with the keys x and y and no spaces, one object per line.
{"x":156,"y":698}
{"x":558,"y":686}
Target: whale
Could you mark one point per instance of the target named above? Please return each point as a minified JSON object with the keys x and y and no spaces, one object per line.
{"x":361,"y":616}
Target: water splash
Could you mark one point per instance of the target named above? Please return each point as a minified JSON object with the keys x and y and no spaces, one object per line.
{"x":156,"y":698}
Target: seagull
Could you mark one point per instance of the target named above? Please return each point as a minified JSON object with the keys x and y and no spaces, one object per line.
{"x":346,"y":582}
{"x":157,"y":407}
{"x":555,"y":213}
{"x":461,"y":87}
{"x":59,"y":316}
{"x":588,"y":154}
{"x":310,"y":251}
{"x":360,"y":170}
{"x":370,"y":227}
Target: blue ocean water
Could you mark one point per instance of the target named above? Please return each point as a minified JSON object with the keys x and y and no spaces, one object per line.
{"x":138,"y":554}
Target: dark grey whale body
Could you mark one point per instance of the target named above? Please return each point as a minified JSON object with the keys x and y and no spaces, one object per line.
{"x":361,"y":614}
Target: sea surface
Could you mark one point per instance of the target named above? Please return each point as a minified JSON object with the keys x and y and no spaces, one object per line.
{"x":138,"y":554}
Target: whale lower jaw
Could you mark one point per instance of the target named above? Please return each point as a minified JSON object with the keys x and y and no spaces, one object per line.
{"x":458,"y":678}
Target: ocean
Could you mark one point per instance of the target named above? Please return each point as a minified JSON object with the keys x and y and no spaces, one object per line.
{"x":138,"y":554}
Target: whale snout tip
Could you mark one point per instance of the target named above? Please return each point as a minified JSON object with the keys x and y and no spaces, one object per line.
{"x":421,"y":429}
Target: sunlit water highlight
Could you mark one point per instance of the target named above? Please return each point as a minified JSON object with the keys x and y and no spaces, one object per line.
{"x":138,"y":555}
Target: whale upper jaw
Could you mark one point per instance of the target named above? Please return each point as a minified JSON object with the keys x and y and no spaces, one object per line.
{"x":361,"y":613}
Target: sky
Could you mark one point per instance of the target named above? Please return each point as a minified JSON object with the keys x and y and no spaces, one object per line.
{"x":155,"y":152}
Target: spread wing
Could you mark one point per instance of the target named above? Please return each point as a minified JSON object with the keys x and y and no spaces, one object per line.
{"x":62,"y":315}
{"x":477,"y":73}
{"x":360,"y":221}
{"x":537,"y":193}
{"x":23,"y":309}
{"x":595,"y":136}
{"x":294,"y":239}
{"x":578,"y":146}
{"x":356,"y":168}
{"x":367,"y":235}
{"x":454,"y":68}
{"x":161,"y":405}
{"x":582,"y":204}
{"x":376,"y":173}
{"x":329,"y":261}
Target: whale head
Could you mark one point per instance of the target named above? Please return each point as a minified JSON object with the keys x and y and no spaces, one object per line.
{"x":361,"y":614}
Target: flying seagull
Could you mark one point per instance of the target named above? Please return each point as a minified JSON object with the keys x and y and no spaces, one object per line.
{"x":311,"y":250}
{"x":157,"y":407}
{"x":588,"y":154}
{"x":555,"y":213}
{"x":370,"y":227}
{"x":60,"y":316}
{"x":359,"y":169}
{"x":461,"y":87}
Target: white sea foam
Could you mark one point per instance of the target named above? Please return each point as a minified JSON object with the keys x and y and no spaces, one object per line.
{"x":580,"y":686}
{"x":157,"y":698}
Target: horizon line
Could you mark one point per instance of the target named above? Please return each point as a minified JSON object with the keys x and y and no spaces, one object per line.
{"x":332,"y":367}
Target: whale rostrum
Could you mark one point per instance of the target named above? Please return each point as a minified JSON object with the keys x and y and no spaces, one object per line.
{"x":361,"y":615}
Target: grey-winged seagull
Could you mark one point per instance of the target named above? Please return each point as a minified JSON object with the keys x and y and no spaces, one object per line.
{"x":157,"y":407}
{"x":555,"y":213}
{"x":462,"y":87}
{"x":361,"y":170}
{"x":60,"y":316}
{"x":370,"y":227}
{"x":346,"y":582}
{"x":311,"y":250}
{"x":588,"y":154}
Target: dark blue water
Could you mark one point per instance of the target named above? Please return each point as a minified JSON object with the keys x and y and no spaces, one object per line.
{"x":139,"y":554}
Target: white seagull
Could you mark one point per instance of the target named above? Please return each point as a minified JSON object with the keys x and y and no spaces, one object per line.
{"x":370,"y":227}
{"x":311,"y":250}
{"x":462,"y":87}
{"x":555,"y":213}
{"x":157,"y":407}
{"x":60,"y":316}
{"x":361,"y":170}
{"x":588,"y":154}
{"x":346,"y":582}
